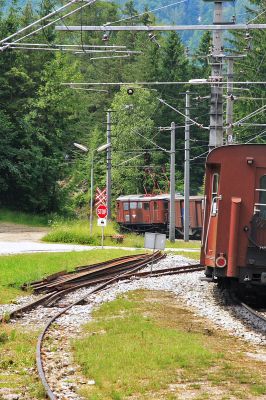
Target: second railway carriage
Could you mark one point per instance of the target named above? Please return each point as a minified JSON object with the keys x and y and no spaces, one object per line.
{"x":142,"y":212}
{"x":234,"y":234}
{"x":151,"y":213}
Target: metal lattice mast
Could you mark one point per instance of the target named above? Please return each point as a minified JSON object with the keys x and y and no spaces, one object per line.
{"x":216,"y":107}
{"x":109,"y":167}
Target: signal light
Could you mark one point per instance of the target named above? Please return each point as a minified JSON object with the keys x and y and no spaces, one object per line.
{"x":220,"y":262}
{"x":130,"y":91}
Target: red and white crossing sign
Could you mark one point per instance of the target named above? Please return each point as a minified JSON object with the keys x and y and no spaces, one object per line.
{"x":100,"y":197}
{"x":101,"y":211}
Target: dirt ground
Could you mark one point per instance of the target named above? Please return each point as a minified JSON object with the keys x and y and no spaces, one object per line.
{"x":13,"y":232}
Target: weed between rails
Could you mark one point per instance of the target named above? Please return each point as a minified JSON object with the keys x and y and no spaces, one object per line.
{"x":18,"y":374}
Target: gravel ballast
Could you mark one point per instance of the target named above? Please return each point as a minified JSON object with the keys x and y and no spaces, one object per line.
{"x":202,"y":297}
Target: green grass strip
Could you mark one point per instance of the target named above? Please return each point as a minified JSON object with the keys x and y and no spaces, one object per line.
{"x":17,"y":270}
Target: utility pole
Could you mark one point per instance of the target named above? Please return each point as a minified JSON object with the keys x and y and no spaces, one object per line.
{"x":172,"y":186}
{"x":91,"y":199}
{"x":187,"y":167}
{"x":229,"y":100}
{"x":109,"y":166}
{"x":216,"y":110}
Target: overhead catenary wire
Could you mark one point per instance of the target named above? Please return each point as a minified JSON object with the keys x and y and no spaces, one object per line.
{"x":255,"y":137}
{"x":38,"y":21}
{"x":257,"y":16}
{"x":146,"y":12}
{"x":67,"y":45}
{"x":5,"y":46}
{"x":157,"y":83}
{"x":183,"y":115}
{"x":155,"y":144}
{"x":258,"y":111}
{"x":202,"y":155}
{"x":132,"y":158}
{"x":109,"y":57}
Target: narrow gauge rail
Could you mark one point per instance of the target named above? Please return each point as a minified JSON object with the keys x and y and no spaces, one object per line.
{"x":61,"y":283}
{"x":258,"y":317}
{"x":99,"y":288}
{"x":50,"y":298}
{"x":255,"y":318}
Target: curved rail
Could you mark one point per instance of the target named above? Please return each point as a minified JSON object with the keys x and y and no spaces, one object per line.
{"x":254,"y":313}
{"x":66,"y":278}
{"x":124,"y":275}
{"x":50,"y":298}
{"x":259,"y":318}
{"x":40,"y":368}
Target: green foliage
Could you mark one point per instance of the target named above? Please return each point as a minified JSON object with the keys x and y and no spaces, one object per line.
{"x":250,"y":68}
{"x":40,"y":118}
{"x":18,"y":217}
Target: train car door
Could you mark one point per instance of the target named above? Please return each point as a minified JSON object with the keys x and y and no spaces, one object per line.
{"x":126,"y":211}
{"x":212,"y":220}
{"x":259,"y":219}
{"x":155,"y":211}
{"x":146,"y":212}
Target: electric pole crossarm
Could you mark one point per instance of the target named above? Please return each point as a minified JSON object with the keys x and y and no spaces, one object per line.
{"x":148,"y":28}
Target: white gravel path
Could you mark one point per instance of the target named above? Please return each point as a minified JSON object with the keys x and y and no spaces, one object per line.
{"x":26,"y":246}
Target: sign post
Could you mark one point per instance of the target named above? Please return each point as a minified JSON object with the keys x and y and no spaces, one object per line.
{"x":154,"y":241}
{"x":102,"y":214}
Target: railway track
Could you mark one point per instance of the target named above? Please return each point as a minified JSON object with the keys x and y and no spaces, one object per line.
{"x":100,"y":287}
{"x":98,"y":276}
{"x":61,"y":283}
{"x":255,"y":318}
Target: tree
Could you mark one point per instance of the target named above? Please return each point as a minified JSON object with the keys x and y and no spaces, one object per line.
{"x":132,"y":132}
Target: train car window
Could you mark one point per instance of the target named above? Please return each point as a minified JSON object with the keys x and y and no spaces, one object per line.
{"x":126,"y":206}
{"x":146,"y":206}
{"x":155,"y":205}
{"x":215,"y":186}
{"x":133,"y":205}
{"x":165,"y":205}
{"x":262,"y":197}
{"x":139,"y":204}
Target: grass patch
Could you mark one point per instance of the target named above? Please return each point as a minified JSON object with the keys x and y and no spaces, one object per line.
{"x":18,"y":217}
{"x":144,"y":346}
{"x":78,"y":232}
{"x":194,"y":255}
{"x":16,"y":270}
{"x":17,"y":363}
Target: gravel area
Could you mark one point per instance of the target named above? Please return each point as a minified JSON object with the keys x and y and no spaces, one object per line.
{"x":202,"y":297}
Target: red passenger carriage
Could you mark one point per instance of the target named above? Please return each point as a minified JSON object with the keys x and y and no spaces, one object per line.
{"x":151,"y":213}
{"x":234,"y":233}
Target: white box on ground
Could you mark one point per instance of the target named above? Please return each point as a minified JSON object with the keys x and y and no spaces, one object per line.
{"x":154,"y":241}
{"x":102,"y":222}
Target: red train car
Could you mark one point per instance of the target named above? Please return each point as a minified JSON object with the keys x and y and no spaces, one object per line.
{"x":143,"y":213}
{"x":195,"y":215}
{"x":234,"y":233}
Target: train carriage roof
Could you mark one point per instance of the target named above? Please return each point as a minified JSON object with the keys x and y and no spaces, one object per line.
{"x":143,"y":197}
{"x":219,"y":153}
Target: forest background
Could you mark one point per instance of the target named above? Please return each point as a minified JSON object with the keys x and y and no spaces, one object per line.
{"x":42,"y":172}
